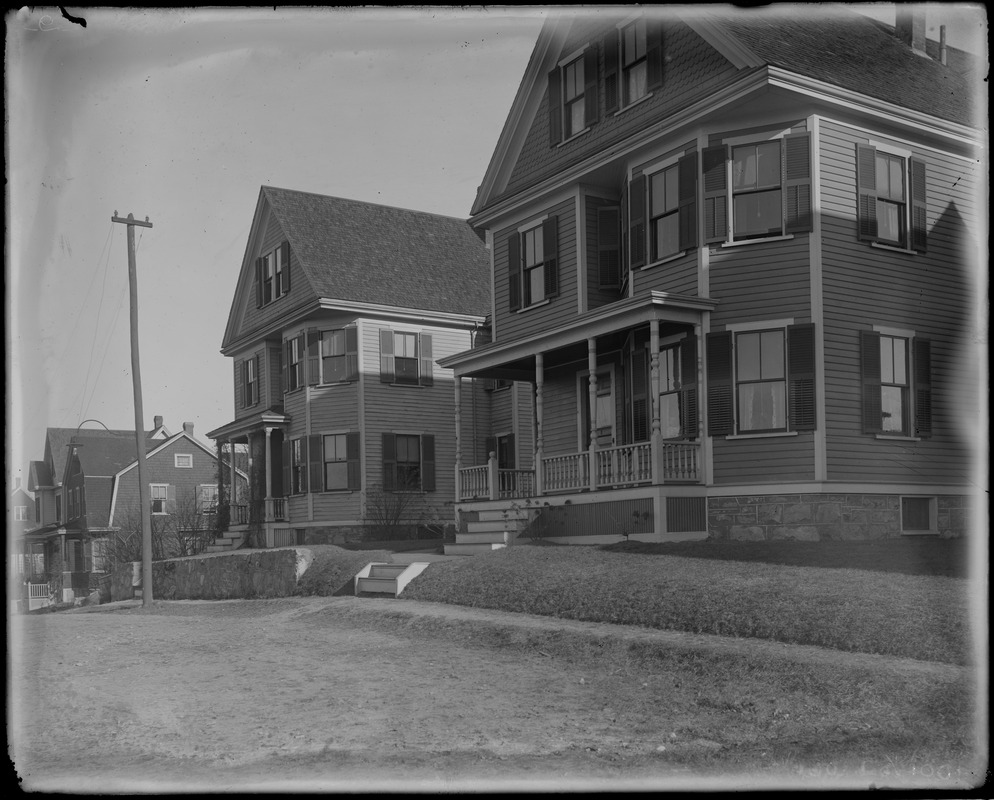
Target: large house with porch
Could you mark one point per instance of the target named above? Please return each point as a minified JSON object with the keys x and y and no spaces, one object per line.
{"x":732,"y":253}
{"x":340,"y":313}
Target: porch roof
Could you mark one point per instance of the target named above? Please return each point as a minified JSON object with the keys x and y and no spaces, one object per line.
{"x":239,"y":428}
{"x":515,"y":360}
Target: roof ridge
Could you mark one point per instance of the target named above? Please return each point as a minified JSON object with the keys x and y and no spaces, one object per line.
{"x":366,"y":203}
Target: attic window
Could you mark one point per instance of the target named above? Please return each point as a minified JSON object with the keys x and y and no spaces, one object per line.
{"x":272,"y":279}
{"x":183,"y":460}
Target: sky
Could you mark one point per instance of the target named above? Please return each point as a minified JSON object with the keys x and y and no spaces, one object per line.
{"x":180,"y":116}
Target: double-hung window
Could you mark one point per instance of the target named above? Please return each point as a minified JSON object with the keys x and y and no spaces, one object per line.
{"x":406,"y":358}
{"x":533,"y":261}
{"x":664,"y":199}
{"x":891,"y":207}
{"x":183,"y":460}
{"x":634,"y":66}
{"x":896,"y":369}
{"x":573,"y":99}
{"x":272,"y":278}
{"x":408,"y":462}
{"x":250,"y":382}
{"x":664,"y":218}
{"x":670,"y":424}
{"x":207,"y":498}
{"x":298,"y":466}
{"x":334,"y":361}
{"x":332,"y":356}
{"x":633,"y":63}
{"x":20,"y":513}
{"x":159,"y":495}
{"x":758,"y":188}
{"x":761,"y":380}
{"x":293,"y":363}
{"x":341,"y":461}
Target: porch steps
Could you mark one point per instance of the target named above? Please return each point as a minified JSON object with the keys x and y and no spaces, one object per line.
{"x":488,"y":530}
{"x":383,"y":578}
{"x":232,"y":540}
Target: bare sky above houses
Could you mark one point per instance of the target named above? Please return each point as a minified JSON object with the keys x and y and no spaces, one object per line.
{"x":181,"y":115}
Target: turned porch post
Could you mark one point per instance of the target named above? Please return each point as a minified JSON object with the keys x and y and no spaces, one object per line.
{"x":233,"y":488}
{"x":539,"y":424}
{"x":656,"y":437}
{"x":457,"y":382}
{"x":592,"y":404}
{"x":269,"y":474}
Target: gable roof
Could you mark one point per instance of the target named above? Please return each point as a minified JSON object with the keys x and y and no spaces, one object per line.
{"x":57,"y":441}
{"x":359,"y":252}
{"x":831,"y":44}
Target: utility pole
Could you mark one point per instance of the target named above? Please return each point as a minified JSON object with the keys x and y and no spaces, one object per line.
{"x":143,"y":498}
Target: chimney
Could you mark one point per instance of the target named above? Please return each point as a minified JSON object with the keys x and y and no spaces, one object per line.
{"x":188,"y":428}
{"x":158,"y":422}
{"x":909,"y":25}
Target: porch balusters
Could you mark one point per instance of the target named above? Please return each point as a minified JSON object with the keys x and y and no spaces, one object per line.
{"x":539,"y":425}
{"x":592,"y":405}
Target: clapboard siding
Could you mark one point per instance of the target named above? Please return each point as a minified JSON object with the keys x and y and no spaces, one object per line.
{"x":693,"y":70}
{"x":560,"y":412}
{"x":929,"y":293}
{"x":678,"y":276}
{"x":476,"y":421}
{"x":252,"y":318}
{"x":562,"y":308}
{"x":764,"y":280}
{"x":524,"y":398}
{"x":764,"y":460}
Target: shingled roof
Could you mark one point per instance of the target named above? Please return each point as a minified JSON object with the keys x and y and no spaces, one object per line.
{"x":57,"y":442}
{"x":847,"y":49}
{"x":368,"y":253}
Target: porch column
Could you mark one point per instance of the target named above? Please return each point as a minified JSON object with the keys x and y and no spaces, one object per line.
{"x":269,"y":474}
{"x":458,"y":417}
{"x":233,"y":487}
{"x":539,"y":424}
{"x":251,"y":487}
{"x":592,"y":404}
{"x":656,"y":438}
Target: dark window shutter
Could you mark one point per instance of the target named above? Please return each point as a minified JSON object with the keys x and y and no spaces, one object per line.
{"x":257,"y":394}
{"x":389,"y":459}
{"x":654,"y":54}
{"x":611,"y":65}
{"x":869,"y":350}
{"x":919,"y":207}
{"x":351,"y":353}
{"x":713,"y":164}
{"x":923,"y":386}
{"x":258,"y":282}
{"x":640,"y":396}
{"x":240,"y":380}
{"x":315,"y":463}
{"x":313,"y":356}
{"x":688,"y":387}
{"x":591,"y":109}
{"x":514,"y":271}
{"x":386,"y":356}
{"x":801,"y":377}
{"x":687,"y":171}
{"x":866,"y":190}
{"x":352,"y":456}
{"x":555,"y":109}
{"x":427,"y":365}
{"x":608,"y":248}
{"x":720,"y":410}
{"x":797,"y":182}
{"x":285,"y":275}
{"x":550,"y":255}
{"x":636,"y":222}
{"x":428,"y":462}
{"x":285,"y":367}
{"x":287,"y":466}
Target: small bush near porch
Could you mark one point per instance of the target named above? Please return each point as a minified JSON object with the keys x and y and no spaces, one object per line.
{"x":847,"y":608}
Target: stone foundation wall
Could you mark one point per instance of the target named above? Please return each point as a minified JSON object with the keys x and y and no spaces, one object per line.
{"x":220,"y":576}
{"x":818,"y":517}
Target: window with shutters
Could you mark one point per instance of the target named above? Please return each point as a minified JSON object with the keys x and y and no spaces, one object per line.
{"x":757,"y":189}
{"x":339,"y":353}
{"x":573,"y":97}
{"x":406,"y":358}
{"x":159,"y":496}
{"x":669,"y":393}
{"x":293,"y":363}
{"x":896,"y":381}
{"x":634,"y":66}
{"x":341,"y":461}
{"x":207,"y":498}
{"x":408,"y":462}
{"x":574,"y":105}
{"x":633,"y":63}
{"x":760,"y":380}
{"x":273,"y":274}
{"x":533,"y":260}
{"x":250,"y":381}
{"x":891,"y":207}
{"x":664,"y":202}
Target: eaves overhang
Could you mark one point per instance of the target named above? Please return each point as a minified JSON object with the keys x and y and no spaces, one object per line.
{"x":246,"y":425}
{"x":662,"y":306}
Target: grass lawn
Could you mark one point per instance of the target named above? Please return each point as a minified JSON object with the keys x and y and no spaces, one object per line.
{"x":922,"y":616}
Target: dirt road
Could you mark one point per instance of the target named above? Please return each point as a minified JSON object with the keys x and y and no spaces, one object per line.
{"x":336,"y":693}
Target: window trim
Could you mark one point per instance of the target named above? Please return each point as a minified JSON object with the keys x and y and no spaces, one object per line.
{"x":549,"y":225}
{"x":152,"y":499}
{"x":933,"y":515}
{"x":178,"y":456}
{"x":738,"y":382}
{"x":912,"y":232}
{"x":351,"y":356}
{"x":353,"y":465}
{"x":424,"y":471}
{"x":280,"y":286}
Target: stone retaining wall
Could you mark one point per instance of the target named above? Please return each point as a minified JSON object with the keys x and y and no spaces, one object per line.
{"x":219,"y":576}
{"x":816,"y":517}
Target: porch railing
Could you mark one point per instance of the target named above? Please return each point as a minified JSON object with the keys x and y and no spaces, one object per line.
{"x":515,"y":483}
{"x":680,"y":462}
{"x":623,"y":465}
{"x":474,"y":483}
{"x":565,"y":473}
{"x":239,"y":515}
{"x":275,"y":508}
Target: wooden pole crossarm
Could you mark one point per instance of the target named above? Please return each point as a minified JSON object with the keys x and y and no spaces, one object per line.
{"x":130,"y":220}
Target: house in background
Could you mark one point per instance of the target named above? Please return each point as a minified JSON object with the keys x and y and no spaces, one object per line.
{"x":20,"y":517}
{"x":731,"y":253}
{"x":340,"y":314}
{"x":97,"y":502}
